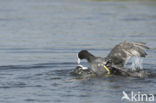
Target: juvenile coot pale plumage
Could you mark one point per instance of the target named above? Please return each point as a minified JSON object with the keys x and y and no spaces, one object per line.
{"x":125,"y":50}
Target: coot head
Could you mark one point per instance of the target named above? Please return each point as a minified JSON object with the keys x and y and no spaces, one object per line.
{"x":83,"y":54}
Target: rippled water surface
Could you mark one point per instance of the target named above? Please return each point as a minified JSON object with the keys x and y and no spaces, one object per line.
{"x":39,"y":40}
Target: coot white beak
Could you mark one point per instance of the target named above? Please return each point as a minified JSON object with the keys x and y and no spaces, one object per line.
{"x":82,"y":67}
{"x":78,"y":60}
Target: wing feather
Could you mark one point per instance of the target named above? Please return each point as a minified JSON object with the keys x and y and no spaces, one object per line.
{"x":125,"y":50}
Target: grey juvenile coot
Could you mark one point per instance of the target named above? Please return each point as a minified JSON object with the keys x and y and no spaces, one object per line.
{"x":118,"y":56}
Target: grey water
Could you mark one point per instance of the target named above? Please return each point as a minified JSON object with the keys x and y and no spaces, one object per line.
{"x":39,"y":41}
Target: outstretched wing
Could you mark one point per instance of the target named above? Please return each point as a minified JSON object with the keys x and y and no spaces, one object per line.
{"x":124,"y":50}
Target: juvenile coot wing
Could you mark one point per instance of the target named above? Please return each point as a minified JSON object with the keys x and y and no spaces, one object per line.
{"x":124,"y":50}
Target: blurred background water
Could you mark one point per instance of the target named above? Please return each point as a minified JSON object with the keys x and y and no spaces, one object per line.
{"x":39,"y":40}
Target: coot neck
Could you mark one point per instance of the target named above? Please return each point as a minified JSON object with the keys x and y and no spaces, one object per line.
{"x":90,"y":57}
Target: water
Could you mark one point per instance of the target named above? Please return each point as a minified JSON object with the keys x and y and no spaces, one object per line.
{"x":39,"y":40}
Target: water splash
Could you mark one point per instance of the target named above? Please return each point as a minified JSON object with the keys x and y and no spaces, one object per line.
{"x":137,"y":63}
